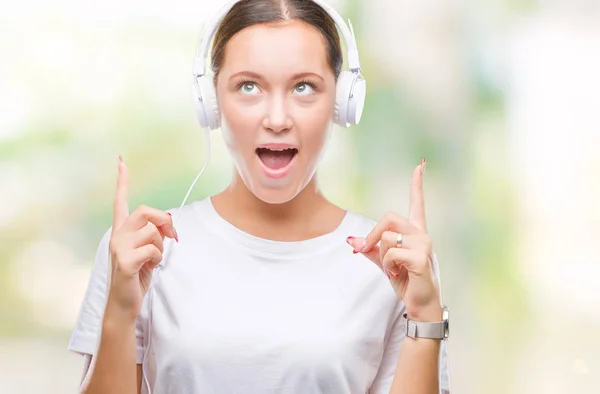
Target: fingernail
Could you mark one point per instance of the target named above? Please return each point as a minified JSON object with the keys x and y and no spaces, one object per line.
{"x":423,"y":163}
{"x":120,"y":159}
{"x":349,"y":241}
{"x":174,"y":231}
{"x":394,"y":275}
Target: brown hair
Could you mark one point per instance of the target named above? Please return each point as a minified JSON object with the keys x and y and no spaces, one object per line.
{"x":246,"y":13}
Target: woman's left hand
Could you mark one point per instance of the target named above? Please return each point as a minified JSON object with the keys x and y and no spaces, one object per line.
{"x":401,"y":248}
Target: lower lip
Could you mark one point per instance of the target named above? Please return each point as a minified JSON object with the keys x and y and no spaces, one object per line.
{"x":280,"y":172}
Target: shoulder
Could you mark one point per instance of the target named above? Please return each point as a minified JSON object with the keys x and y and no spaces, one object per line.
{"x":190,"y":214}
{"x":192,"y":206}
{"x":361,"y":223}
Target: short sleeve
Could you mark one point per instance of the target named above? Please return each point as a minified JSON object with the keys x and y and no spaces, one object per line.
{"x":85,"y":337}
{"x":385,"y":374}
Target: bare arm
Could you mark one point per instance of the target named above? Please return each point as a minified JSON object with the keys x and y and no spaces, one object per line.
{"x":418,"y":364}
{"x":136,"y":247}
{"x":116,"y":370}
{"x":402,"y":249}
{"x":417,"y":370}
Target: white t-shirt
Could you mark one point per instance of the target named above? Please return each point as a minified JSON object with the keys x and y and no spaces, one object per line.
{"x":229,"y":312}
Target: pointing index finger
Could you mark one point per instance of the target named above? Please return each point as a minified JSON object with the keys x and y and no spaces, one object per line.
{"x":417,"y":203}
{"x":121,"y":204}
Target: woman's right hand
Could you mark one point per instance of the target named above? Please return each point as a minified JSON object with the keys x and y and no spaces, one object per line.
{"x":136,"y":248}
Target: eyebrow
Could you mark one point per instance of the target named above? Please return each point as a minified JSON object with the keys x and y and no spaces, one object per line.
{"x":254,"y":75}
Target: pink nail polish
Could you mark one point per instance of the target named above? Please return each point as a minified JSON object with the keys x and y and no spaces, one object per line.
{"x":349,"y":242}
{"x":355,"y":251}
{"x":174,"y":231}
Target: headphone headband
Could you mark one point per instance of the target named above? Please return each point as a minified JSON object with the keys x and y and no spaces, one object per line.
{"x":213,"y":26}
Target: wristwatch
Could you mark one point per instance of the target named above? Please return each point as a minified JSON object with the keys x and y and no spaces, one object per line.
{"x":432,"y":330}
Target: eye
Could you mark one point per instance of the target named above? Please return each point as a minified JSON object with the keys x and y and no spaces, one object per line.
{"x":248,"y":87}
{"x":304,"y":88}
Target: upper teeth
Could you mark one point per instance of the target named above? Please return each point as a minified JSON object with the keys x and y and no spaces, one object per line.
{"x":278,"y":150}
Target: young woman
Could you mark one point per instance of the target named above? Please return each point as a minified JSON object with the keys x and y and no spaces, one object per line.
{"x":269,"y":287}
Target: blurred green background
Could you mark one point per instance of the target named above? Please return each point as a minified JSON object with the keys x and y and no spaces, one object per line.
{"x":501,"y":97}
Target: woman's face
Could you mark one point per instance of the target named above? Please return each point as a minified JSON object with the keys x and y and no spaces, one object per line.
{"x":276,"y":93}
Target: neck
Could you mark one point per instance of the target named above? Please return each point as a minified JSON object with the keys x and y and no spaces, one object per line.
{"x":307,"y":215}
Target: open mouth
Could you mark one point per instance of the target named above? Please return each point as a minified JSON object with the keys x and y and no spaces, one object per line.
{"x":276,"y":159}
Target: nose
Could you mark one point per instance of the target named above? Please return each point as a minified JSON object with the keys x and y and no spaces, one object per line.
{"x":277,"y":117}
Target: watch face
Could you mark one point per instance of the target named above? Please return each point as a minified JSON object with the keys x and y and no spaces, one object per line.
{"x":445,"y":317}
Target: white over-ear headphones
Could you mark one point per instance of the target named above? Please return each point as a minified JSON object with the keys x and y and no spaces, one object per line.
{"x":351,"y":87}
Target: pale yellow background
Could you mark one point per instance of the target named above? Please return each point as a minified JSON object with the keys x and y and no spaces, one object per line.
{"x":502,"y":97}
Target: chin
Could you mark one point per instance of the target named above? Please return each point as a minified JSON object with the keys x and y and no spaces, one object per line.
{"x":273,"y":191}
{"x":275,"y":196}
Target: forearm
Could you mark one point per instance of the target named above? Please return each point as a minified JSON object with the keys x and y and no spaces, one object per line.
{"x":116,"y":367}
{"x":418,"y":367}
{"x":417,"y":371}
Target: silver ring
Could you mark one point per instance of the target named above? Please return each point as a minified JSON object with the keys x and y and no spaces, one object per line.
{"x":399,"y":240}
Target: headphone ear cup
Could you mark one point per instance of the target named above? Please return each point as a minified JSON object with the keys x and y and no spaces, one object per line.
{"x":348,"y":110}
{"x":342,"y":94}
{"x":356,"y":103}
{"x":206,"y":103}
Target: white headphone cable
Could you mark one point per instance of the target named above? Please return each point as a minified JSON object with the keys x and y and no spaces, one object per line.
{"x":151,"y":290}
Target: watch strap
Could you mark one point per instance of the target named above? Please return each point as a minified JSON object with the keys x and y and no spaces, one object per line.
{"x":432,"y":330}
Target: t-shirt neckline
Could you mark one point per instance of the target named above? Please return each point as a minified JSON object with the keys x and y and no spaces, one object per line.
{"x":267,"y":247}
